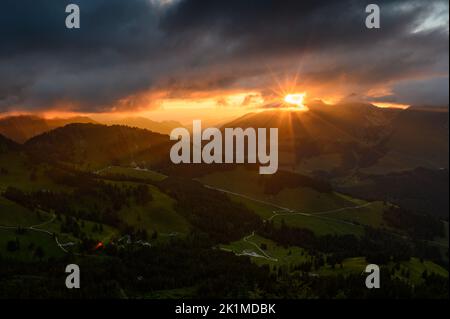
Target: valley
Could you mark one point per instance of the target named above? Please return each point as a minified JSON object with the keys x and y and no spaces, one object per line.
{"x":108,"y":197}
{"x":239,"y":157}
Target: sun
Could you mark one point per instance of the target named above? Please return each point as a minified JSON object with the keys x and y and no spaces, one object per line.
{"x":295,"y":99}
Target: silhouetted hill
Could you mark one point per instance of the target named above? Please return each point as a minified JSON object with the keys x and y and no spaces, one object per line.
{"x":7,"y":145}
{"x":164,"y":127}
{"x":421,"y":134}
{"x":357,"y":136}
{"x":23,"y":127}
{"x":352,"y":122}
{"x":96,"y":145}
{"x":364,"y":121}
{"x":350,"y":132}
{"x":20,"y":128}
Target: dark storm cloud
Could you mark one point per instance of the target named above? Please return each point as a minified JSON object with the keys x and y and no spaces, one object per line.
{"x":110,"y":57}
{"x":266,"y":31}
{"x":420,"y":92}
{"x":128,"y":47}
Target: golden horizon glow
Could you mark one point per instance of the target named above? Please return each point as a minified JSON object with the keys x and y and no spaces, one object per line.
{"x":215,"y":106}
{"x":391,"y":105}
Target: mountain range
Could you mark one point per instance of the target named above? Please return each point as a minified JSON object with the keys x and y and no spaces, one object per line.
{"x":357,"y":136}
{"x":22,"y":128}
{"x":357,"y":185}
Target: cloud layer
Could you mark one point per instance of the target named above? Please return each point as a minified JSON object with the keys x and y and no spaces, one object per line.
{"x":124,"y":51}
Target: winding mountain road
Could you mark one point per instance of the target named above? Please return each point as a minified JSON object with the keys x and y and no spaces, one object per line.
{"x":44,"y":231}
{"x":283,"y":211}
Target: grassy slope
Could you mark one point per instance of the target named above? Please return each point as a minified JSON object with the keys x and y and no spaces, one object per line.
{"x":19,"y":174}
{"x":371,"y":215}
{"x":321,"y":225}
{"x":326,"y":162}
{"x":133,"y":173}
{"x":159,"y":215}
{"x":300,"y":198}
{"x":46,"y":242}
{"x":303,"y":200}
{"x":12,"y":214}
{"x":275,"y":254}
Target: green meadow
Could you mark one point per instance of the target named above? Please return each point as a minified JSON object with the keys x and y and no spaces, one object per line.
{"x":263,"y":251}
{"x":137,"y":173}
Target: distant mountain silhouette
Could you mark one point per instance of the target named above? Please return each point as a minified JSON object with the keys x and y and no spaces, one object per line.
{"x":352,"y":122}
{"x":360,"y":134}
{"x":164,"y":127}
{"x":23,"y":127}
{"x":97,"y":145}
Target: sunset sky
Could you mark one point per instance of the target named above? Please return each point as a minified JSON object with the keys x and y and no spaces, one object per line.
{"x":178,"y":59}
